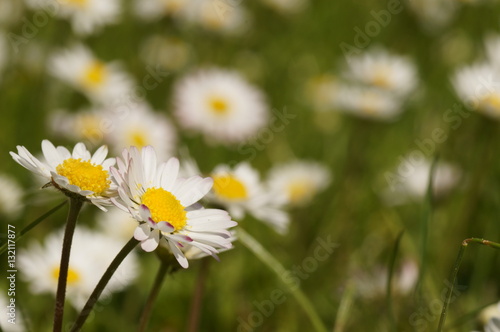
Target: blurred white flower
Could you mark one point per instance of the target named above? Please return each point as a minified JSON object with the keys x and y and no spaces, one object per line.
{"x":434,"y":14}
{"x":380,"y":69}
{"x":490,"y":316}
{"x":216,"y":15}
{"x":149,"y":10}
{"x":73,"y":173}
{"x":478,"y":86}
{"x":410,"y":181}
{"x":166,"y":206}
{"x":104,"y":83}
{"x":86,"y":16}
{"x":287,"y":6}
{"x":141,"y":126}
{"x":10,"y":197}
{"x":221,"y":105}
{"x":84,"y":125}
{"x":299,"y":181}
{"x":240,"y":191}
{"x":368,"y":102}
{"x":91,"y":254}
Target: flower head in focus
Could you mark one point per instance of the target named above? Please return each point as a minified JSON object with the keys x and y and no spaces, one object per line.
{"x":77,"y":173}
{"x":166,"y":206}
{"x":221,"y":105}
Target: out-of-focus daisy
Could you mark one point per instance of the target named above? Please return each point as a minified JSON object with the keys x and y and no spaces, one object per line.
{"x":478,"y":87}
{"x":10,"y":197}
{"x":299,"y":180}
{"x":149,"y":10}
{"x":168,"y":52}
{"x":380,"y":69}
{"x":91,"y":254}
{"x":84,"y":125}
{"x":166,"y":206}
{"x":11,"y":319}
{"x":105,"y":83}
{"x":322,"y":92}
{"x":240,"y":191}
{"x":216,"y":15}
{"x":434,"y":14}
{"x":117,"y":224}
{"x":221,"y":105}
{"x":286,"y":6}
{"x":77,"y":174}
{"x":410,"y":181}
{"x":86,"y":16}
{"x":141,"y":127}
{"x":369,"y":103}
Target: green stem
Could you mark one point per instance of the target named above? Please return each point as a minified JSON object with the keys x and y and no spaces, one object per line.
{"x":392,"y":263}
{"x":155,"y":290}
{"x":75,"y":205}
{"x":87,"y":309}
{"x":344,"y":308}
{"x":454,"y":273}
{"x":261,"y":253}
{"x":30,"y":226}
{"x":194,"y":315}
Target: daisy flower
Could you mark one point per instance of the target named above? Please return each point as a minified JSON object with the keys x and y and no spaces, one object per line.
{"x":140,"y":127}
{"x":91,"y":254}
{"x":299,"y":180}
{"x":101,"y":82}
{"x":166,"y":206}
{"x":84,"y":125}
{"x":380,"y":69}
{"x":369,"y":103}
{"x":76,"y":174}
{"x":477,"y":86}
{"x":86,"y":16}
{"x":434,"y":14}
{"x":240,"y":191}
{"x":10,"y":197}
{"x":221,"y":105}
{"x":149,"y":10}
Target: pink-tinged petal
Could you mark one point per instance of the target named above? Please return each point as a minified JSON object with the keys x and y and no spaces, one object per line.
{"x":144,"y":212}
{"x":165,"y":226}
{"x":142,"y":232}
{"x":50,"y":153}
{"x":151,"y":223}
{"x":179,"y":255}
{"x":180,"y":238}
{"x":169,"y":174}
{"x":99,"y":155}
{"x":151,"y":243}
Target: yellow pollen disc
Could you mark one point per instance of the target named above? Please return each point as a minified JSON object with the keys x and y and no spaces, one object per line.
{"x":79,"y":3}
{"x":164,"y":207}
{"x":299,"y":191}
{"x":85,"y":175}
{"x":380,"y":78}
{"x":229,"y":187}
{"x":218,"y":106}
{"x":95,"y":74}
{"x":492,"y":100}
{"x":73,"y":276}
{"x":138,"y":139}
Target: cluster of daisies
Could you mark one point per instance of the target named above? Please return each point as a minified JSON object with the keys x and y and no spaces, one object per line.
{"x":374,"y":84}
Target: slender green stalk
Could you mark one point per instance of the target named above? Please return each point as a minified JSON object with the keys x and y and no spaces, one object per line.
{"x":344,"y":307}
{"x":454,"y":273}
{"x":254,"y":246}
{"x":392,"y":263}
{"x":194,"y":312}
{"x":34,"y":223}
{"x":75,"y":205}
{"x":153,"y":294}
{"x":87,"y":309}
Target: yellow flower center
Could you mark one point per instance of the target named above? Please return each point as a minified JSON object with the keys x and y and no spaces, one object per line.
{"x":299,"y":191}
{"x":491,"y":100}
{"x":137,"y":138}
{"x":164,"y":207}
{"x":229,"y":187}
{"x":218,"y":106}
{"x":85,"y":175}
{"x":95,"y":74}
{"x":73,"y":276}
{"x":381,"y":79}
{"x":77,"y":3}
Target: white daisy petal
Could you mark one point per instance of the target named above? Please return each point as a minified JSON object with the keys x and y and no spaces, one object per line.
{"x":142,"y":232}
